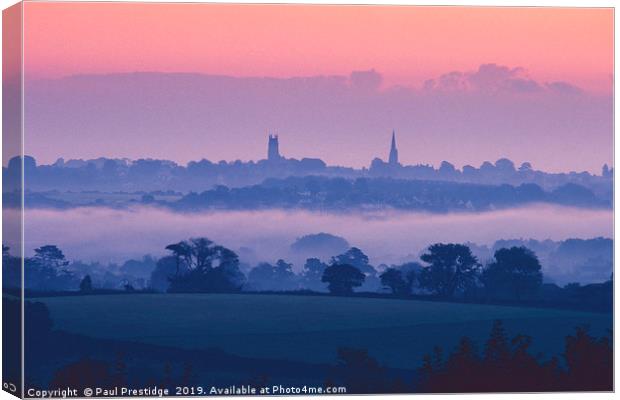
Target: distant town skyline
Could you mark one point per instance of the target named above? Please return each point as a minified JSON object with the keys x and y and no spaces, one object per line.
{"x":461,"y":84}
{"x":391,"y":159}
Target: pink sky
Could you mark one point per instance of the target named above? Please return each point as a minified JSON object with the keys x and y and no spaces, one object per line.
{"x":407,"y":44}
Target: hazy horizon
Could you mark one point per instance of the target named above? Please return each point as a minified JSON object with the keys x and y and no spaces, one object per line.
{"x":386,"y":236}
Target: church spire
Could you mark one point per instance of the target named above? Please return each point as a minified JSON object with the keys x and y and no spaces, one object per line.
{"x":393,"y":160}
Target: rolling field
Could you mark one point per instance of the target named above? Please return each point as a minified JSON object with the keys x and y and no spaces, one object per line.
{"x":309,"y":328}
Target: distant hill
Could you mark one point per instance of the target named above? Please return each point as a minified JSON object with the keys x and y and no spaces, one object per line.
{"x":339,"y":194}
{"x":325,"y":193}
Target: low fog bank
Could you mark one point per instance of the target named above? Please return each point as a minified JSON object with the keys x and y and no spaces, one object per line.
{"x":388,"y":237}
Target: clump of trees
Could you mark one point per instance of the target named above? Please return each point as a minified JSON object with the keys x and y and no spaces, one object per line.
{"x":276,"y":277}
{"x":446,"y":271}
{"x":203,"y":266}
{"x":48,"y":270}
{"x":398,"y":281}
{"x":507,"y":365}
{"x":452,"y":271}
{"x":501,"y":364}
{"x":344,"y":273}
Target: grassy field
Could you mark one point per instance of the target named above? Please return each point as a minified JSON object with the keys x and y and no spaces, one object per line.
{"x":309,"y":328}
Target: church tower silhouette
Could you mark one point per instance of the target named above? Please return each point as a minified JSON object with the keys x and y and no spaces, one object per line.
{"x":393,"y":160}
{"x":273,"y":150}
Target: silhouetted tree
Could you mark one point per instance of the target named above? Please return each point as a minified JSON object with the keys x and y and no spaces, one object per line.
{"x":277,"y":277}
{"x":515,"y":270}
{"x":525,"y":167}
{"x":410,"y":272}
{"x":496,"y":350}
{"x":319,"y":245}
{"x":464,"y":366}
{"x":181,"y":252}
{"x":86,"y":285}
{"x":356,"y":258}
{"x":505,"y":166}
{"x":226,"y":276}
{"x":139,"y":269}
{"x":284,"y":269}
{"x":203,"y":252}
{"x":312,"y":274}
{"x":51,"y":256}
{"x":393,"y":279}
{"x":589,"y":361}
{"x":166,"y":268}
{"x":447,"y":170}
{"x":452,"y":267}
{"x":208,"y":267}
{"x":47,"y":270}
{"x":360,"y":373}
{"x":262,"y":276}
{"x":342,"y":278}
